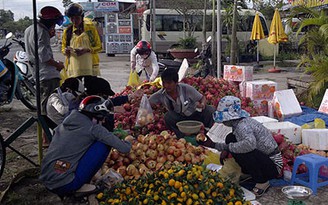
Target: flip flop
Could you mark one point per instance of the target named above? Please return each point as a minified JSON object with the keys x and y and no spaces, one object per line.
{"x":259,"y":192}
{"x":86,"y":190}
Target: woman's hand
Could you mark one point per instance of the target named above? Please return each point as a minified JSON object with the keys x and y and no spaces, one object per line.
{"x":68,"y":51}
{"x":81,"y":51}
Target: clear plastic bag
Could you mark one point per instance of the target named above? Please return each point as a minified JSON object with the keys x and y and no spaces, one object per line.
{"x":145,"y":113}
{"x":110,"y":178}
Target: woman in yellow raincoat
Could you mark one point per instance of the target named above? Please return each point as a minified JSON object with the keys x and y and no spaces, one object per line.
{"x":81,"y":44}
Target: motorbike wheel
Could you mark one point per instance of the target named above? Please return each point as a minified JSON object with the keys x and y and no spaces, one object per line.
{"x":26,"y":93}
{"x":2,"y":155}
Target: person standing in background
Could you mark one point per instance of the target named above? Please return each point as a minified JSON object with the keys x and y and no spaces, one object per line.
{"x":49,"y":68}
{"x":143,"y":58}
{"x":81,"y":44}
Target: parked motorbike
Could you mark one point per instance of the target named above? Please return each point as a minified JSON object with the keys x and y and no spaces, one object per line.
{"x":206,"y":67}
{"x":22,"y":62}
{"x":18,"y":85}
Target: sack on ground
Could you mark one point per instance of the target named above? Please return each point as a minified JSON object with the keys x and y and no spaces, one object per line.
{"x":133,"y":79}
{"x":145,"y":113}
{"x":231,"y":170}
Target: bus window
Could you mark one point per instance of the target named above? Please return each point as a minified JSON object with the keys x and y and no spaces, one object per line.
{"x":158,"y":23}
{"x":197,"y":22}
{"x":172,"y":23}
{"x":264,"y":26}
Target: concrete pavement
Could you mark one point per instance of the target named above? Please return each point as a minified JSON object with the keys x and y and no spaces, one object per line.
{"x":117,"y":69}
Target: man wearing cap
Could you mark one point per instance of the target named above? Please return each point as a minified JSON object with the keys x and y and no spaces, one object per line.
{"x":250,"y":143}
{"x":49,"y":68}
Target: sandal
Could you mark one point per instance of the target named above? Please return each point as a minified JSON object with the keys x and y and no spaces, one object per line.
{"x":260,"y":191}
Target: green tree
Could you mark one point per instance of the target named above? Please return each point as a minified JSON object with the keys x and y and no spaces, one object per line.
{"x":316,"y":42}
{"x":66,"y":2}
{"x":6,"y":21}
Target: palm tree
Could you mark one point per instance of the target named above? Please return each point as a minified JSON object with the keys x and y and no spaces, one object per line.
{"x":316,"y":42}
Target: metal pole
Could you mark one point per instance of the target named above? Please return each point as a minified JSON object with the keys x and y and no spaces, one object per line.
{"x":258,"y":52}
{"x":153,"y":24}
{"x":37,"y":79}
{"x":218,"y":37}
{"x":36,"y":48}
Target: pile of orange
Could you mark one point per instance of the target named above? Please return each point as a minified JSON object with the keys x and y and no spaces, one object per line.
{"x":190,"y":184}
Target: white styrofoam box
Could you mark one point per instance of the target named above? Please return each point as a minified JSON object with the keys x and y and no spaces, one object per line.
{"x":324,"y":103}
{"x":315,"y":138}
{"x":289,"y":130}
{"x":218,"y":132}
{"x":261,"y":106}
{"x":238,"y":73}
{"x":285,"y":104}
{"x":242,"y":88}
{"x":263,"y":119}
{"x":260,"y":89}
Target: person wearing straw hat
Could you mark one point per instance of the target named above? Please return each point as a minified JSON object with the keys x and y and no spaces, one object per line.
{"x":250,"y":143}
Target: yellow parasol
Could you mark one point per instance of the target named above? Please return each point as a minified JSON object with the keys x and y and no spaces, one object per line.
{"x":257,"y":34}
{"x":276,"y":34}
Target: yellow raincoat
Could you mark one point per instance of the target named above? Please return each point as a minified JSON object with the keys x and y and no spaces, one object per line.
{"x":94,"y":44}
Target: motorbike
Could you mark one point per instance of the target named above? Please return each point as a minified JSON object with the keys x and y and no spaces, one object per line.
{"x":206,"y":64}
{"x":17,"y":84}
{"x":22,"y":62}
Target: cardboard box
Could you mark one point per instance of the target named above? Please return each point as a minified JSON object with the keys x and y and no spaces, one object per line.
{"x":261,"y":106}
{"x":315,"y":138}
{"x":285,"y":104}
{"x":260,"y":89}
{"x":238,"y":73}
{"x":290,"y":130}
{"x":263,"y":119}
{"x":324,"y":103}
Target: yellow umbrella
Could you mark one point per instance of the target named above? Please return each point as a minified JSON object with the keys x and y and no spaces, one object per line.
{"x":277,"y":33}
{"x":257,"y":34}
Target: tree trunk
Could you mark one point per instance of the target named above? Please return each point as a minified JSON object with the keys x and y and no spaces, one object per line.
{"x":233,"y":51}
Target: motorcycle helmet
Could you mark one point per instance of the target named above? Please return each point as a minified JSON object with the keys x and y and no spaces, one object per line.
{"x":143,"y":48}
{"x":74,"y":9}
{"x":96,"y":106}
{"x":51,"y":13}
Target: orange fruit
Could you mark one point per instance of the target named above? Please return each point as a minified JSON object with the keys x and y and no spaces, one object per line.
{"x":171,"y":182}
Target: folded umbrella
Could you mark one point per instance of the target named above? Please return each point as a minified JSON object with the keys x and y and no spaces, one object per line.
{"x":276,"y":35}
{"x":257,"y":34}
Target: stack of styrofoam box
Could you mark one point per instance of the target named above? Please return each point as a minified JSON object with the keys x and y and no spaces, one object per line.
{"x":315,"y":138}
{"x":238,"y":74}
{"x":261,"y":92}
{"x":289,"y":130}
{"x":264,"y":119}
{"x":324,"y":103}
{"x":285,"y":104}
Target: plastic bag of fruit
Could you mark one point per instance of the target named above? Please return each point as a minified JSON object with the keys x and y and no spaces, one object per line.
{"x":145,"y":113}
{"x":109,"y":179}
